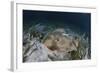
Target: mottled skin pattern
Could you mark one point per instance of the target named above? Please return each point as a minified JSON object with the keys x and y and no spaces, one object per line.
{"x":58,"y":41}
{"x":61,"y":45}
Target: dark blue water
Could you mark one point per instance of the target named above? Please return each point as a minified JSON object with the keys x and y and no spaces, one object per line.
{"x":78,"y":22}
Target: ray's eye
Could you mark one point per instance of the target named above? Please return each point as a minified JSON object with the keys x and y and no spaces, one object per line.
{"x":57,"y":39}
